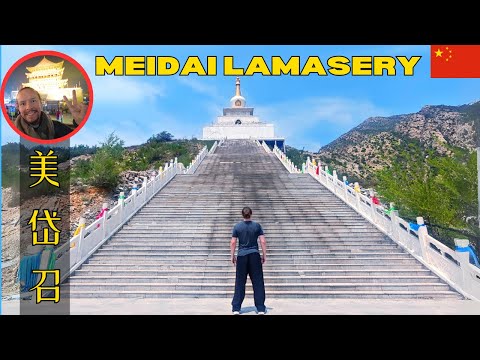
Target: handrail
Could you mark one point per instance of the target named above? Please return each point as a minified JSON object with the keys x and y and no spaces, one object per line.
{"x":452,"y":266}
{"x":72,"y":254}
{"x":289,"y":165}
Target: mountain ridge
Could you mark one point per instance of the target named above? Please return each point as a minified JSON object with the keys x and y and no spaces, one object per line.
{"x":371,"y":145}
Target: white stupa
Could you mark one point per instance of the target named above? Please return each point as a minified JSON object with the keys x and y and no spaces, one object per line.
{"x":238,"y":122}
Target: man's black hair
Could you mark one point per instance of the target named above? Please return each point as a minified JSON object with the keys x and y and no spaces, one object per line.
{"x":246,"y":212}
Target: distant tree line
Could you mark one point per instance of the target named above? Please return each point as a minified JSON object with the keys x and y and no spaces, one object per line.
{"x":103,"y":167}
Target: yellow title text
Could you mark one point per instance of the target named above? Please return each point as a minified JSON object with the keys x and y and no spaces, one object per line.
{"x":273,"y":66}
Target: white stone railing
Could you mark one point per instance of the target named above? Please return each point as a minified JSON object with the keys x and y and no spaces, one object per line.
{"x":215,"y":145}
{"x":289,"y":165}
{"x":80,"y":247}
{"x":452,"y":266}
{"x":265,"y":146}
{"x":198,"y":159}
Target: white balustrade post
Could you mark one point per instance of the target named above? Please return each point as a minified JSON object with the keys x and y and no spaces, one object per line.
{"x":394,"y":225}
{"x":373,"y":207}
{"x":121,"y":201}
{"x":104,"y":220}
{"x":422,"y":237}
{"x":335,"y":178}
{"x":160,"y":177}
{"x":356,"y":188}
{"x":144,"y":185}
{"x":166,"y":171}
{"x":461,"y":250}
{"x":81,"y":225}
{"x":152,"y":179}
{"x":134,"y":197}
{"x":345,"y":189}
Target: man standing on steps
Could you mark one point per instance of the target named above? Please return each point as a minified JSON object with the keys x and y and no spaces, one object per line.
{"x":248,"y":261}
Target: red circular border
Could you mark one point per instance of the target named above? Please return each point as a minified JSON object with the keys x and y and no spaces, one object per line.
{"x":65,"y":57}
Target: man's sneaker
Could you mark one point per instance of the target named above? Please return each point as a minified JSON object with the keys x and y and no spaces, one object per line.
{"x":236,"y":312}
{"x":261,"y":313}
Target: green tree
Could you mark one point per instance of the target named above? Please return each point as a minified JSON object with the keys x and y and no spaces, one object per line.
{"x":104,"y":168}
{"x":441,"y":189}
{"x":297,"y":157}
{"x":164,"y":136}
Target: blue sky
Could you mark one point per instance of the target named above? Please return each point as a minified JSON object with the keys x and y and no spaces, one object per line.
{"x":309,"y":111}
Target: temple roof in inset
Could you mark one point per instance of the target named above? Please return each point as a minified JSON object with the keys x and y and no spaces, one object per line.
{"x":44,"y":64}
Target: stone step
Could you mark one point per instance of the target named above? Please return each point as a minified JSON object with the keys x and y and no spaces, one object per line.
{"x":224,"y":243}
{"x":220,"y":246}
{"x":187,"y":255}
{"x":227,"y":266}
{"x":233,"y":211}
{"x":275,"y":227}
{"x":297,"y":294}
{"x":177,"y":245}
{"x":143,"y":222}
{"x":229,"y":279}
{"x":353,"y":286}
{"x":123,"y":271}
{"x":285,"y":239}
{"x":340,"y":260}
{"x":225,"y":199}
{"x":270,"y":220}
{"x":227,"y":230}
{"x":151,"y":250}
{"x":272,"y":243}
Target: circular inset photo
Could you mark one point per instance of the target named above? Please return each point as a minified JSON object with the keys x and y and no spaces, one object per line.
{"x":46,"y":97}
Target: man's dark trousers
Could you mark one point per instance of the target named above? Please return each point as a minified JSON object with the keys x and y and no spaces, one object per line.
{"x":250,"y":264}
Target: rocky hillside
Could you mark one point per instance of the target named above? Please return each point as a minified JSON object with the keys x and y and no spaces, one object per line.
{"x":82,"y":201}
{"x":371,"y":145}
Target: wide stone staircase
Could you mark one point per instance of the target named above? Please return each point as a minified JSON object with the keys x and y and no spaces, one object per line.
{"x":177,"y":245}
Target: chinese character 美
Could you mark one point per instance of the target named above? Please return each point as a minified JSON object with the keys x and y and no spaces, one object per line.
{"x":43,"y":167}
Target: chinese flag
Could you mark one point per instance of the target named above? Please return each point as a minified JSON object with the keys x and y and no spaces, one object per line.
{"x":455,"y":61}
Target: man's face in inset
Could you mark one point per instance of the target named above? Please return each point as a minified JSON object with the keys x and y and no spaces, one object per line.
{"x":29,"y":105}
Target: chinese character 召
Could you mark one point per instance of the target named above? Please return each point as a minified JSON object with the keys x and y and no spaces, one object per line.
{"x":55,"y":288}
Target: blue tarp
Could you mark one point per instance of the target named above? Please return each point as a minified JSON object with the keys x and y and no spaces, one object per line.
{"x":27,"y":278}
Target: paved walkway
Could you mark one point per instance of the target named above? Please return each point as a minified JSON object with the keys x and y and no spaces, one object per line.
{"x":274,"y":307}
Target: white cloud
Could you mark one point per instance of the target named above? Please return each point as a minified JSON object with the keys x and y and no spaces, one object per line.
{"x":10,"y":54}
{"x":124,"y":90}
{"x":119,"y":90}
{"x":199,"y":86}
{"x":115,"y":89}
{"x":128,"y":129}
{"x":304,"y":122}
